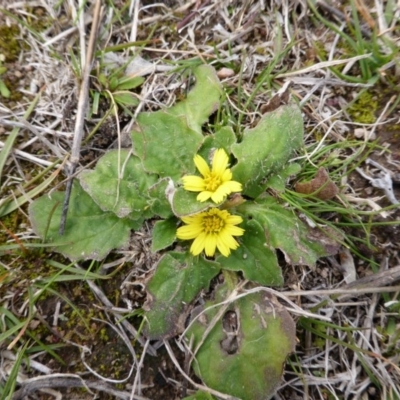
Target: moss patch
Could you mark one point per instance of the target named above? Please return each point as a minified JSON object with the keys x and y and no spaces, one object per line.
{"x":10,"y":45}
{"x":364,"y":108}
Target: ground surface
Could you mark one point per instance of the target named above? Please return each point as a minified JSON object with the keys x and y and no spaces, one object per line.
{"x":353,"y":106}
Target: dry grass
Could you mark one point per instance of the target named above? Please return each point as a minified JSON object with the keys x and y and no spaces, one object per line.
{"x":348,"y":331}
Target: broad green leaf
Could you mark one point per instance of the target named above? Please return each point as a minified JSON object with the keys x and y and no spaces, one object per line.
{"x":300,"y":244}
{"x":222,"y":139}
{"x":90,"y":233}
{"x":126,"y":99}
{"x":167,"y":140}
{"x":158,"y":201}
{"x":128,"y":83}
{"x":266,"y":148}
{"x":254,"y":257}
{"x":166,"y":144}
{"x":120,"y":184}
{"x":178,"y":279}
{"x":202,"y":100}
{"x":185,"y":203}
{"x":200,"y":395}
{"x":278,"y":181}
{"x":243,"y":353}
{"x":164,"y":234}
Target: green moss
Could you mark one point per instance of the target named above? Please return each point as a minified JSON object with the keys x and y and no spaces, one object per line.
{"x":364,"y":108}
{"x":320,"y":50}
{"x":10,"y":45}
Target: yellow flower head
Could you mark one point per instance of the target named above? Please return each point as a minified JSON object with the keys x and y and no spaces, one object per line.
{"x":216,"y":182}
{"x":211,"y":229}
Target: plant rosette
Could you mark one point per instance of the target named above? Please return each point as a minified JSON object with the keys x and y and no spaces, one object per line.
{"x":207,"y":194}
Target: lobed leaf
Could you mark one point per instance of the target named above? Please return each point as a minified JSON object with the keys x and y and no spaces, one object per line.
{"x":224,"y":138}
{"x":120,"y":184}
{"x":159,"y":194}
{"x":185,"y":203}
{"x":167,"y":140}
{"x":283,"y":230}
{"x":254,"y":257}
{"x":178,"y":279}
{"x":164,"y":234}
{"x":202,"y":100}
{"x":90,"y":233}
{"x":242,"y":354}
{"x":266,"y":148}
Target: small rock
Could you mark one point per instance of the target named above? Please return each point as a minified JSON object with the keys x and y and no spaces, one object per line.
{"x":225,"y":73}
{"x":362,"y":133}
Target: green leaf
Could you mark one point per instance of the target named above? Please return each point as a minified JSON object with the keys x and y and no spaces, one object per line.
{"x":90,"y":233}
{"x":266,"y":148}
{"x":103,"y":80}
{"x":113,"y":82}
{"x":222,"y":139}
{"x":158,"y":194}
{"x":177,"y":281}
{"x":185,"y":203}
{"x":167,"y":140}
{"x":126,"y":99}
{"x":254,"y":257}
{"x":164,"y":234}
{"x":283,"y":230}
{"x":200,"y":395}
{"x":120,"y":184}
{"x":4,"y":90}
{"x":202,"y":100}
{"x":166,"y":144}
{"x":278,"y":181}
{"x":243,"y":353}
{"x":128,"y":83}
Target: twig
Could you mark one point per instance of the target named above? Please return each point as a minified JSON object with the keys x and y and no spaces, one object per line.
{"x":80,"y":116}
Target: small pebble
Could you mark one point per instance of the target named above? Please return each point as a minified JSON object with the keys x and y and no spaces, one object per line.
{"x":225,"y":73}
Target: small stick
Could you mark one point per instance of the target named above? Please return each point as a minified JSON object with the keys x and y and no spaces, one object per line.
{"x":80,"y":116}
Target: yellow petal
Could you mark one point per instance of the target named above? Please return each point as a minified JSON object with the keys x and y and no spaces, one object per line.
{"x":201,"y":165}
{"x":234,"y":219}
{"x":193,"y":219}
{"x":220,"y":162}
{"x":229,"y":240}
{"x":188,"y":232}
{"x":193,"y":183}
{"x":220,"y":194}
{"x":227,"y":175}
{"x":233,"y":230}
{"x":198,"y":244}
{"x":210,"y":244}
{"x":222,"y":247}
{"x":232,"y":186}
{"x":204,"y":196}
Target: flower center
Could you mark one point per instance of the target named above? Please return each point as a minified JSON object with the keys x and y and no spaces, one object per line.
{"x":212,"y":182}
{"x":212,"y":224}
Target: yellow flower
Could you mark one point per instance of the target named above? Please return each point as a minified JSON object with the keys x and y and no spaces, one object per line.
{"x":216,"y":182}
{"x":211,"y":229}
